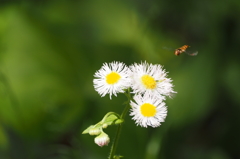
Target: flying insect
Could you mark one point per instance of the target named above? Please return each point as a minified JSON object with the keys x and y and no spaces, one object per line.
{"x":182,"y":49}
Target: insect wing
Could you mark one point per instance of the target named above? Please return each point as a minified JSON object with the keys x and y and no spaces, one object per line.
{"x":168,"y":48}
{"x":192,"y":53}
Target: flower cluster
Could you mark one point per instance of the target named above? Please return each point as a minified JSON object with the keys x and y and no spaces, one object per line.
{"x":149,"y":84}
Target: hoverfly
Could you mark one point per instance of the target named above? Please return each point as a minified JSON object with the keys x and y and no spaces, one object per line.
{"x":182,"y":49}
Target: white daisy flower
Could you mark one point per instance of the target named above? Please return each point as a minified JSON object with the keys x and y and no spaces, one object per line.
{"x":112,"y":78}
{"x":149,"y":110}
{"x":150,"y":78}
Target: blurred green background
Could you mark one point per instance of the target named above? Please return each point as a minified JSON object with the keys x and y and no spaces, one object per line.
{"x":50,"y":49}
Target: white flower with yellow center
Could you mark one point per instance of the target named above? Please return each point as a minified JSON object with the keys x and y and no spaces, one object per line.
{"x":148,"y":110}
{"x":112,"y":78}
{"x":150,"y":78}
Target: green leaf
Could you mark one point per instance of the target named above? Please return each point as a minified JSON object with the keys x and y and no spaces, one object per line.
{"x":117,"y":157}
{"x":119,"y":121}
{"x":111,"y":119}
{"x":86,"y":131}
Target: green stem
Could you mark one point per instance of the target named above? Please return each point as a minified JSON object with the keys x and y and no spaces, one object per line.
{"x":115,"y":142}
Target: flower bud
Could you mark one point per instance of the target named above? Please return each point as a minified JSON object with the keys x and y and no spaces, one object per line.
{"x":119,"y":121}
{"x":105,"y":126}
{"x":102,"y":139}
{"x":95,"y":131}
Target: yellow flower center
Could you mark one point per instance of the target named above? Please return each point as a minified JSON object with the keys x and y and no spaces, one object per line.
{"x":148,"y":110}
{"x":149,"y":82}
{"x":112,"y":78}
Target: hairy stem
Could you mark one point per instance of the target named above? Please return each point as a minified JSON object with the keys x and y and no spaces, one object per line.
{"x":115,"y":142}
